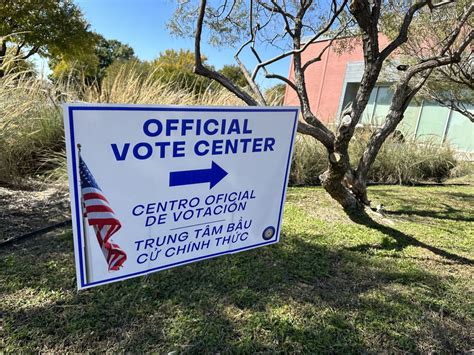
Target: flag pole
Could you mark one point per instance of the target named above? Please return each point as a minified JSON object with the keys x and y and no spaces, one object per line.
{"x":84,"y":230}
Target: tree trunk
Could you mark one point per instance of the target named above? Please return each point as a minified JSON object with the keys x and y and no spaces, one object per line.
{"x":334,"y":180}
{"x":346,"y":185}
{"x":340,"y":180}
{"x":400,"y":100}
{"x":3,"y":52}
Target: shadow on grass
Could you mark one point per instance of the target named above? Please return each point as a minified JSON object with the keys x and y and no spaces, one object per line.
{"x":417,"y":205}
{"x":458,"y":195}
{"x":296,"y":296}
{"x":402,"y":240}
{"x":449,"y":213}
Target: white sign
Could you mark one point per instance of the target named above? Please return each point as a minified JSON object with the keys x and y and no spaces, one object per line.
{"x":154,"y":187}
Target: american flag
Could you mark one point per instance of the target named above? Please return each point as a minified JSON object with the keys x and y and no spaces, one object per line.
{"x":101,"y":217}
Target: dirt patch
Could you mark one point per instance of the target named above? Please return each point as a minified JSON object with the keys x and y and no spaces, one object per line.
{"x":30,"y":208}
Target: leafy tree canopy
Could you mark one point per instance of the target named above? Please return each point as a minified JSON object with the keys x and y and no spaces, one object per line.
{"x":48,"y":27}
{"x":108,"y":51}
{"x":173,"y":67}
{"x":93,"y":65}
{"x":173,"y":61}
{"x":234,"y":73}
{"x":176,"y":68}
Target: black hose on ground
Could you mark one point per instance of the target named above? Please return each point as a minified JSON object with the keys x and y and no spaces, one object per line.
{"x":37,"y":232}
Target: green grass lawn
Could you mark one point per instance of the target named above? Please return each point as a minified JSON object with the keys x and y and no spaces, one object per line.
{"x":402,"y":284}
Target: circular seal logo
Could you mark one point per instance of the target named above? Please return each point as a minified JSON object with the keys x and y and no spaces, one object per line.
{"x":268,"y":233}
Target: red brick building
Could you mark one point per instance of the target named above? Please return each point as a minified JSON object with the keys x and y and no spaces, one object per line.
{"x":333,"y":82}
{"x":327,"y":79}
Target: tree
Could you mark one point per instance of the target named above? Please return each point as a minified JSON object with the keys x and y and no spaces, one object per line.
{"x":234,"y":73}
{"x":93,"y":64}
{"x":285,"y":23}
{"x":176,"y":68}
{"x":133,"y":68}
{"x":109,"y":51}
{"x":48,"y":27}
{"x":83,"y":68}
{"x":450,"y":85}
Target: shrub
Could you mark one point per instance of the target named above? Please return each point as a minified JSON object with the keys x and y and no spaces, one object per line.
{"x":405,"y":160}
{"x":398,"y":162}
{"x":309,"y":161}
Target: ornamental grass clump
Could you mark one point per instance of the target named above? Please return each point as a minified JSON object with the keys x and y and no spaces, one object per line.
{"x":31,"y":124}
{"x":32,"y":134}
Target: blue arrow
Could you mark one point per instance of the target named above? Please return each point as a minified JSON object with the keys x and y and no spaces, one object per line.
{"x":188,"y":177}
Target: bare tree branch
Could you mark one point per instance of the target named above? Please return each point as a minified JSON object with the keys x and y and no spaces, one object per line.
{"x":455,"y":106}
{"x":403,"y":33}
{"x":250,"y":80}
{"x":269,"y":75}
{"x":18,"y":49}
{"x":279,"y":10}
{"x":440,"y":4}
{"x":324,"y":30}
{"x":32,"y":51}
{"x":329,"y":44}
{"x":462,"y":75}
{"x":202,"y":70}
{"x":404,"y":93}
{"x":222,"y":8}
{"x":444,"y":59}
{"x":324,"y":135}
{"x":282,"y":78}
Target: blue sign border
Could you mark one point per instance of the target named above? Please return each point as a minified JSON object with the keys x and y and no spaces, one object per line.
{"x":71,"y":110}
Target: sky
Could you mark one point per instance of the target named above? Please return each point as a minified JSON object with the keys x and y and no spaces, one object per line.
{"x":142,"y":25}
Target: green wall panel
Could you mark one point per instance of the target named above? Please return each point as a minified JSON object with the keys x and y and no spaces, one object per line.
{"x":432,"y":120}
{"x":384,"y":98}
{"x":367,"y":114}
{"x":432,"y":123}
{"x":461,"y":132}
{"x":408,"y":124}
